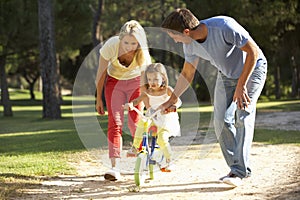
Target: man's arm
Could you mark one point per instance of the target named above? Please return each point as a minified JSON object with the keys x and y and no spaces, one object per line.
{"x":241,"y":96}
{"x":185,"y":78}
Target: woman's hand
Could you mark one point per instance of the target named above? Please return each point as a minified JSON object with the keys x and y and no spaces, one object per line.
{"x":100,"y":107}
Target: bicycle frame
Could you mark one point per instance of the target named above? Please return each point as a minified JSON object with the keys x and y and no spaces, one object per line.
{"x":145,"y":156}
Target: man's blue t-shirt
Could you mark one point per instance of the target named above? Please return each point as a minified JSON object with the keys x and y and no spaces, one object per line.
{"x":221,"y":47}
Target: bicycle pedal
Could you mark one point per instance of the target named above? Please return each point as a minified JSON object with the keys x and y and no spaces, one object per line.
{"x":152,"y":162}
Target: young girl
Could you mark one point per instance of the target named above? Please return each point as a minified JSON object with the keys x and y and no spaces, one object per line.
{"x":157,"y":92}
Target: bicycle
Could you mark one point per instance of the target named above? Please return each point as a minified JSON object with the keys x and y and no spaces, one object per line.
{"x":148,"y":156}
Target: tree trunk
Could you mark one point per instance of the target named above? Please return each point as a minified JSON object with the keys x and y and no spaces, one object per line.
{"x":51,"y":98}
{"x":31,"y":90}
{"x":4,"y":90}
{"x":294,"y":78}
{"x":96,"y":24}
{"x":298,"y":81}
{"x":277,"y":83}
{"x":58,"y":78}
{"x":31,"y":80}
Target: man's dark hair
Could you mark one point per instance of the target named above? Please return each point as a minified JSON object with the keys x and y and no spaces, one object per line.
{"x":179,"y":20}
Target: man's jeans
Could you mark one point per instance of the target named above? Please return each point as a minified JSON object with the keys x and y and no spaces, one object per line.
{"x":234,"y":127}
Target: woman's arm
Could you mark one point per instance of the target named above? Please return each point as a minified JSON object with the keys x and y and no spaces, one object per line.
{"x":100,"y":80}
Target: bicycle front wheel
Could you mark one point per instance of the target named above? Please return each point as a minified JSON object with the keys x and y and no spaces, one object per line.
{"x":140,"y":169}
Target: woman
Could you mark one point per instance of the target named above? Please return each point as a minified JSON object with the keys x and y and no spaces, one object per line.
{"x":122,"y":61}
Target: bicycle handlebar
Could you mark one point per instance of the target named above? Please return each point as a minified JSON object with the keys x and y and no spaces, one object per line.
{"x":142,"y":115}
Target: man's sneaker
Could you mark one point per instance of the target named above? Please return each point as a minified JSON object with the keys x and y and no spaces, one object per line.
{"x":132,"y":152}
{"x":248,"y":173}
{"x":233,"y":180}
{"x":112,"y":175}
{"x":222,"y":178}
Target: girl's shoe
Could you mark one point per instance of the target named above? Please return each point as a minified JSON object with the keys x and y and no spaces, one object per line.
{"x":167,"y":167}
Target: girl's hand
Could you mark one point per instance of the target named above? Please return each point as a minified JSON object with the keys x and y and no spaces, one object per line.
{"x":128,"y":106}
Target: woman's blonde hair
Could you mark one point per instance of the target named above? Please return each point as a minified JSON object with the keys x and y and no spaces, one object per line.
{"x":134,"y":28}
{"x":160,"y":68}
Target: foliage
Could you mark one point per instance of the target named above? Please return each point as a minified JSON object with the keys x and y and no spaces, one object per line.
{"x":18,"y":33}
{"x":273,"y":24}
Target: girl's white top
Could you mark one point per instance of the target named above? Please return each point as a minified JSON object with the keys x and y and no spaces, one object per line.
{"x":168,"y":121}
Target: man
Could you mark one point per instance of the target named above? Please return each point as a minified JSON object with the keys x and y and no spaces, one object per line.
{"x":242,"y":69}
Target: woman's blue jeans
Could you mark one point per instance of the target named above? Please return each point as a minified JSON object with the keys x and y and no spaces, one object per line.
{"x":234,"y":127}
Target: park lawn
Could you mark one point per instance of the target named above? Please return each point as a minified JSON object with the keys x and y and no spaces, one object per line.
{"x":31,"y":147}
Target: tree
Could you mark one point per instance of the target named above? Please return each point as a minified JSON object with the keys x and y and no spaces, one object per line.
{"x":96,"y":36}
{"x":4,"y":89}
{"x":30,"y":71}
{"x":18,"y":22}
{"x":49,"y":68}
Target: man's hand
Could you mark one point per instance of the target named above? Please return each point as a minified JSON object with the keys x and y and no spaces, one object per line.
{"x":172,"y":108}
{"x":241,"y":97}
{"x":167,"y":107}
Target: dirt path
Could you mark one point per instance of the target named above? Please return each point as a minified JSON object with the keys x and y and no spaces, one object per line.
{"x":275,"y":169}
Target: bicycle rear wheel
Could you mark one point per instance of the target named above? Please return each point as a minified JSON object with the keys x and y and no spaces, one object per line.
{"x":140,"y":169}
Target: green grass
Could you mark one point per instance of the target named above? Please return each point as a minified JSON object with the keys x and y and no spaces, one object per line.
{"x":31,"y":146}
{"x":38,"y":164}
{"x":277,"y":136}
{"x":285,"y":105}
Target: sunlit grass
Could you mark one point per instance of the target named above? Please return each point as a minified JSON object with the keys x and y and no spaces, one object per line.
{"x":30,"y":133}
{"x":291,"y":105}
{"x":17,"y":94}
{"x":35,"y":164}
{"x":277,"y":136}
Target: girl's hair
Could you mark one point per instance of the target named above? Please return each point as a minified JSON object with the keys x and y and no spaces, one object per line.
{"x":179,"y":20}
{"x":154,"y":68}
{"x":134,"y":28}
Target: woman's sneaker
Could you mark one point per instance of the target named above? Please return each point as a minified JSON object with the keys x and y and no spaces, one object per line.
{"x":112,"y":175}
{"x":132,"y":152}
